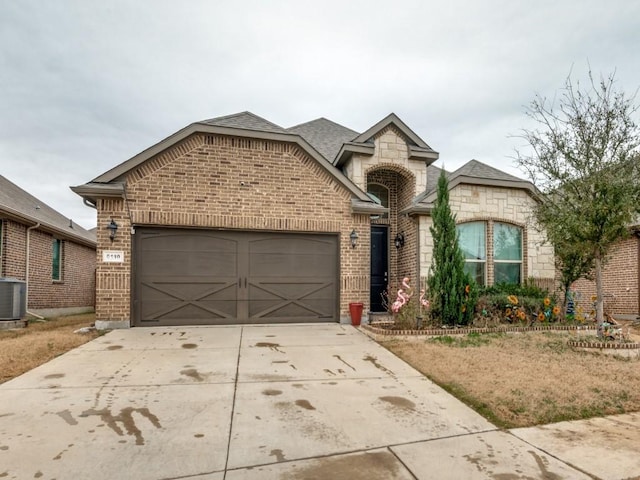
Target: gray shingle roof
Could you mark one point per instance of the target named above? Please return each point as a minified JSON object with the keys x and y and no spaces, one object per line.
{"x":18,"y":203}
{"x":476,"y":169}
{"x":246,"y":121}
{"x":325,"y":136}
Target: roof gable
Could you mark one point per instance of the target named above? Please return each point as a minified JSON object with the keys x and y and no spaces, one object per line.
{"x":363,"y":143}
{"x":392,"y":119}
{"x":474,"y":173}
{"x":244,"y":124}
{"x":23,"y":206}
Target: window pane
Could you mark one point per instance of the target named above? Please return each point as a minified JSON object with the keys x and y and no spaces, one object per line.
{"x":507,"y":242}
{"x":471,"y":238}
{"x":476,"y":270}
{"x":380,"y":195}
{"x":55,"y":267}
{"x":507,"y":272}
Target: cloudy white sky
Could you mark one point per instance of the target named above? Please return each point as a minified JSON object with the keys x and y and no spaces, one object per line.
{"x":87,"y":84}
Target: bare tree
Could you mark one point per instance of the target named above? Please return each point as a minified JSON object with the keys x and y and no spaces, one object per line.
{"x":584,"y":159}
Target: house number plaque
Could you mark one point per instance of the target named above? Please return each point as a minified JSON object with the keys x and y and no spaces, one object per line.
{"x":113,"y":256}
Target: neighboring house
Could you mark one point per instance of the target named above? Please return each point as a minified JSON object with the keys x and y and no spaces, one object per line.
{"x":238,"y":220}
{"x":621,"y":278}
{"x":55,"y":256}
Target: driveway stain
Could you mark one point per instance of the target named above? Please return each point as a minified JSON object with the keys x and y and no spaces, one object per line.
{"x":59,"y":456}
{"x":126,"y":418}
{"x":543,"y":465}
{"x":340,"y":359}
{"x":305,"y":404}
{"x":4,"y":447}
{"x":271,"y":392}
{"x":38,"y":474}
{"x":192,"y":373}
{"x":54,"y":375}
{"x":67,"y":417}
{"x":189,"y":346}
{"x":272,"y":346}
{"x":377,"y":465}
{"x":375,"y":363}
{"x":114,"y":347}
{"x":278,"y":454}
{"x":199,"y":435}
{"x":399,"y":402}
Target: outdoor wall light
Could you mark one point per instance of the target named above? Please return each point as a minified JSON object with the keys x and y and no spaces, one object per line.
{"x":399,"y":240}
{"x":113,"y":228}
{"x":354,"y":238}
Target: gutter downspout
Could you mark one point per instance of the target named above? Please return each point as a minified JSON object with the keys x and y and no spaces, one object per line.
{"x":26,"y":273}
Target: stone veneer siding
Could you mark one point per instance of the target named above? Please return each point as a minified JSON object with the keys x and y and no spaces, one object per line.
{"x":620,"y":278}
{"x":390,"y":148}
{"x":215,"y":181}
{"x":494,"y":204}
{"x":77,"y":285}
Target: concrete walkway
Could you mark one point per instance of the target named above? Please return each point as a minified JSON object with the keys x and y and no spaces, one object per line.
{"x":282,"y":402}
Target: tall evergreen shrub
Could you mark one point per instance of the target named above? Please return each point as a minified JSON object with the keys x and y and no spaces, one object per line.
{"x":453,"y":292}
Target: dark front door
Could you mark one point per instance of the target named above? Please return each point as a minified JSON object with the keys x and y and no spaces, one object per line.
{"x":379,"y":266}
{"x":196,"y":277}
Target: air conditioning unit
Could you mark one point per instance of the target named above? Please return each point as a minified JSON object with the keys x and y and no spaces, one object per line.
{"x":13,"y":299}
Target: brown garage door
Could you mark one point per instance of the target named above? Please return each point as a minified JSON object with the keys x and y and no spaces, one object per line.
{"x":203,"y":277}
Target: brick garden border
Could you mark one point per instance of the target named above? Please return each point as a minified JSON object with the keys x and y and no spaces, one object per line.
{"x":377,"y":332}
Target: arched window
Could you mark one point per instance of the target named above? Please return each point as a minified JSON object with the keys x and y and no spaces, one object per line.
{"x":380,"y":195}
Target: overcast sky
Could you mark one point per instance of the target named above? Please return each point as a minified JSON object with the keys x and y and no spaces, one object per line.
{"x":87,"y":84}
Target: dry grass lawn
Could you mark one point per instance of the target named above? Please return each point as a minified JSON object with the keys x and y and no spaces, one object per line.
{"x":26,"y":348}
{"x":519,"y":380}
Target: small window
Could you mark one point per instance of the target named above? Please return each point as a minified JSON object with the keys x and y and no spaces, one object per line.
{"x":507,"y":253}
{"x":380,"y":195}
{"x":56,"y":264}
{"x":472,"y":241}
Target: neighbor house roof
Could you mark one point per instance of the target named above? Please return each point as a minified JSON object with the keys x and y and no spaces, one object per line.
{"x":17,"y":204}
{"x":472,"y":173}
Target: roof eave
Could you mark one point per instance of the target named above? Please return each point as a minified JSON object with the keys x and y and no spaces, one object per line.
{"x":20,"y":217}
{"x":367,"y":208}
{"x":419,"y":209}
{"x":93,"y":190}
{"x":349,"y":148}
{"x":416,"y":153}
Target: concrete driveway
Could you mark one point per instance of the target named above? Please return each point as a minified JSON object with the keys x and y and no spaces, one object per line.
{"x":249,"y":402}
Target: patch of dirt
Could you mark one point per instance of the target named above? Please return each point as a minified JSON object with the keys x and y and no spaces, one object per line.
{"x":24,"y":349}
{"x":525,"y":379}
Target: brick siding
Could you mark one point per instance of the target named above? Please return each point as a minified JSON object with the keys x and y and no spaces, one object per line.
{"x":77,"y":285}
{"x":620,"y":277}
{"x":215,"y":181}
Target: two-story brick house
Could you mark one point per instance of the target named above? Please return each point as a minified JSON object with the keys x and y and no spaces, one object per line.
{"x":54,"y":256}
{"x":238,"y":220}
